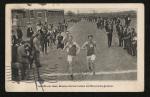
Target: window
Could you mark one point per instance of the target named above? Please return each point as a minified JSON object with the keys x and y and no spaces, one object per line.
{"x":17,"y":16}
{"x":31,"y":13}
{"x":24,"y":14}
{"x":39,"y":14}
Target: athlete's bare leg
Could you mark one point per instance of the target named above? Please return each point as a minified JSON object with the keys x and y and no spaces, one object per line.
{"x":93,"y":66}
{"x":89,"y":64}
{"x":59,"y":53}
{"x":70,"y":66}
{"x":70,"y":70}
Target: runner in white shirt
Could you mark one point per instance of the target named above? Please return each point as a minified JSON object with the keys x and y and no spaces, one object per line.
{"x":72,"y":49}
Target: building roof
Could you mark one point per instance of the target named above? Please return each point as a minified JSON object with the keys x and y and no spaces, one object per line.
{"x":46,"y":9}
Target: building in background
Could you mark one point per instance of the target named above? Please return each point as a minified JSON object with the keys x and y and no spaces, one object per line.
{"x":21,"y":17}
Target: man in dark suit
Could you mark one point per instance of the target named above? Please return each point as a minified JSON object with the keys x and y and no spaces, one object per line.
{"x":127,"y":21}
{"x":44,"y":40}
{"x":23,"y":59}
{"x":109,"y":31}
{"x":119,"y":29}
{"x":36,"y":49}
{"x":29,"y":31}
{"x":19,"y":33}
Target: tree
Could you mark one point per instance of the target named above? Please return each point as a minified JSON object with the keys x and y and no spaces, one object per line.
{"x":70,"y":13}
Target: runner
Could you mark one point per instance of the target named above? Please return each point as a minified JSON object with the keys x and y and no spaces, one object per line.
{"x":66,"y":37}
{"x":90,"y":45}
{"x":72,"y":49}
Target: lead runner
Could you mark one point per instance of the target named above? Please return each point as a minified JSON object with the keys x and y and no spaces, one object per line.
{"x":90,"y":45}
{"x":72,"y":49}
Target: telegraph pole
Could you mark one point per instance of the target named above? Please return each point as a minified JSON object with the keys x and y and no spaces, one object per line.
{"x":45,"y":15}
{"x":29,"y":15}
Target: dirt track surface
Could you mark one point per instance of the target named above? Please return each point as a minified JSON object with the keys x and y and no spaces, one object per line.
{"x":111,"y":63}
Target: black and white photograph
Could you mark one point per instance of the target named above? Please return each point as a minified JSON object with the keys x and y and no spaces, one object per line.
{"x":74,"y":47}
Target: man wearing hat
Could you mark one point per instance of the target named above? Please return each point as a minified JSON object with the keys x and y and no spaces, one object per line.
{"x":36,"y":49}
{"x":44,"y":40}
{"x":127,"y":20}
{"x":19,"y":33}
{"x":109,"y":31}
{"x":23,"y":58}
{"x":29,"y":31}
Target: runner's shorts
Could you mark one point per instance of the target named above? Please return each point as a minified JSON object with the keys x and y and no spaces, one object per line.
{"x":92,"y":57}
{"x":70,"y":58}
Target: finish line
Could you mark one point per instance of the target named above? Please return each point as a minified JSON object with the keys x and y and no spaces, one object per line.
{"x":91,"y":73}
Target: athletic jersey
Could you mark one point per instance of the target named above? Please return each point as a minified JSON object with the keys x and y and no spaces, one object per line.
{"x":60,"y":44}
{"x":90,"y":48}
{"x":72,"y":49}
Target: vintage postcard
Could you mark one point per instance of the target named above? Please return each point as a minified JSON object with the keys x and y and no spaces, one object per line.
{"x":79,"y":47}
